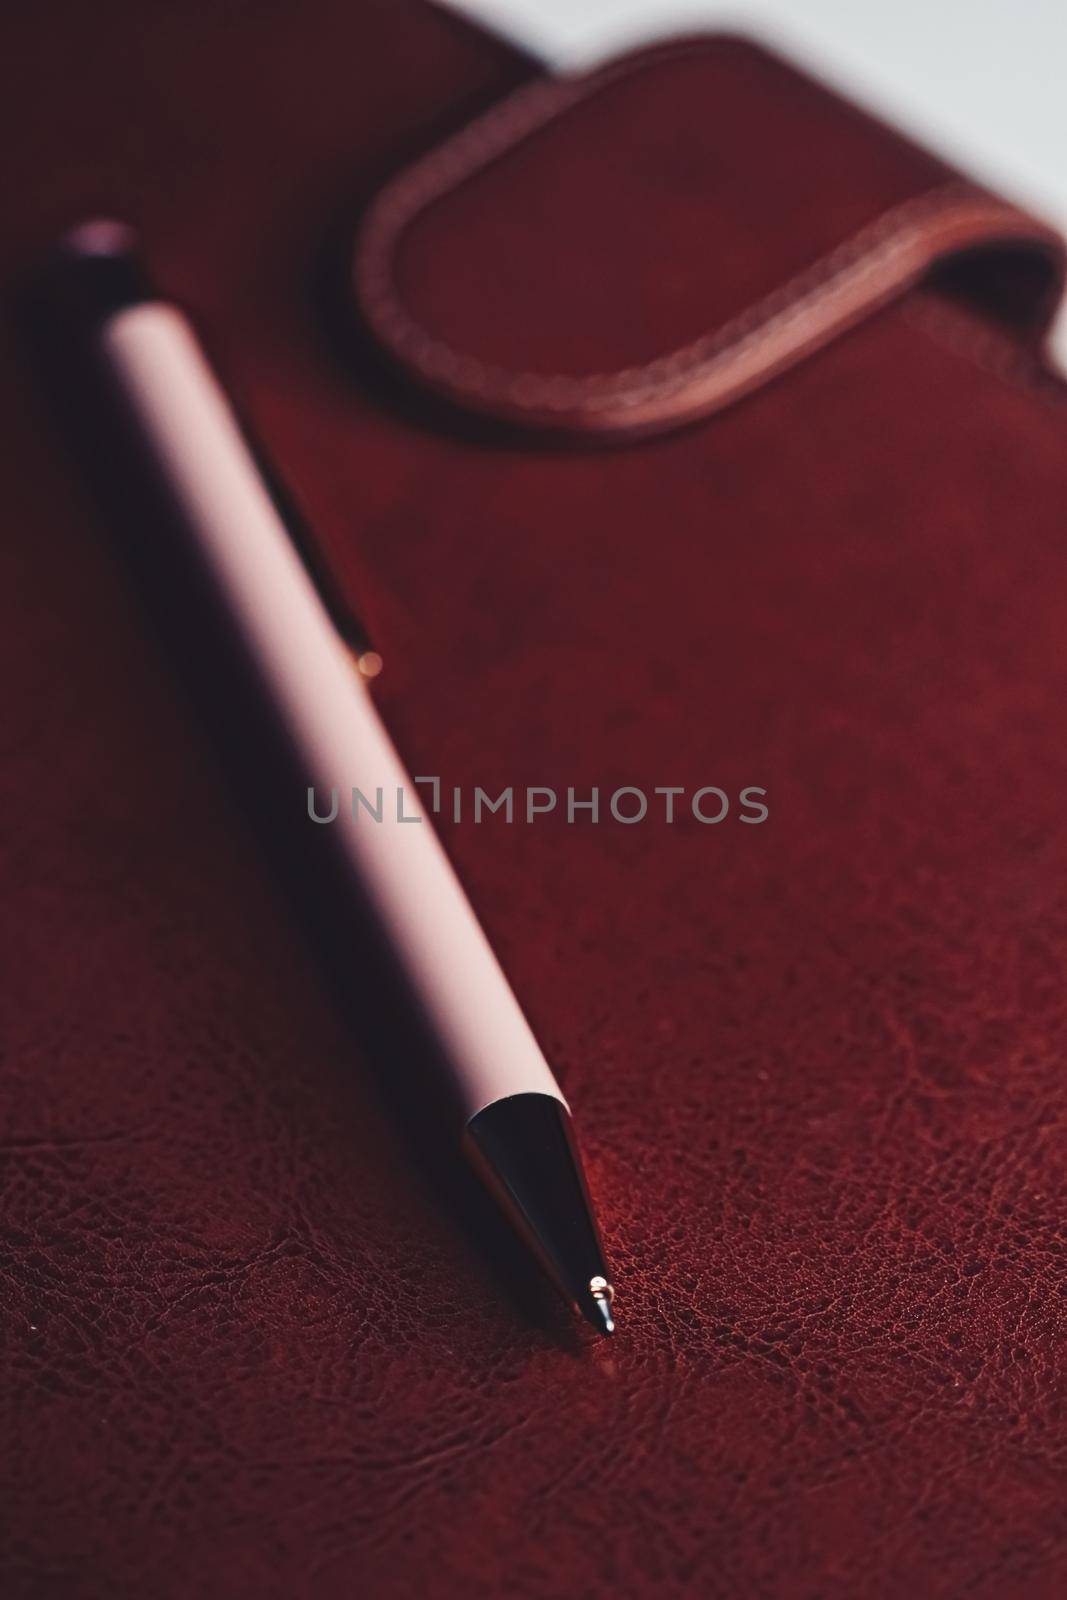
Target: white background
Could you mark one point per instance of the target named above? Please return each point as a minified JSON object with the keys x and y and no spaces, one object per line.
{"x":983,"y":82}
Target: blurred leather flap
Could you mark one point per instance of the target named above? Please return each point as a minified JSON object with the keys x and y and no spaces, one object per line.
{"x":628,"y":251}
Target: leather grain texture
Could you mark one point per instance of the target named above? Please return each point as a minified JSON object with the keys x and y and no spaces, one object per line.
{"x":251,"y":1345}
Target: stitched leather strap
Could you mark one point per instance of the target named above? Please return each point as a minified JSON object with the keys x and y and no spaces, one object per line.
{"x":873,"y":266}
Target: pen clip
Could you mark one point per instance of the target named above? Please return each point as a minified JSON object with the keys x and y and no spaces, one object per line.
{"x":365,"y":659}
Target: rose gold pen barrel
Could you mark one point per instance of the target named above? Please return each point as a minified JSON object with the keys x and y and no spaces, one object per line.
{"x":516,"y":1124}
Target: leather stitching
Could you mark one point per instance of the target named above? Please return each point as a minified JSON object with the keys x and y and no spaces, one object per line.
{"x":885,"y":257}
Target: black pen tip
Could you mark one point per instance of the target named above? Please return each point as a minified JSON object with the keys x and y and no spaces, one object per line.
{"x":605,"y":1322}
{"x":524,"y":1148}
{"x":601,"y":1297}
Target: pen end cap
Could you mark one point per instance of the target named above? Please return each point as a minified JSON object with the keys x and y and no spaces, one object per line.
{"x":95,"y":271}
{"x":99,"y":237}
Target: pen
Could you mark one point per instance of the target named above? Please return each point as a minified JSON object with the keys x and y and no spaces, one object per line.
{"x":512,"y":1118}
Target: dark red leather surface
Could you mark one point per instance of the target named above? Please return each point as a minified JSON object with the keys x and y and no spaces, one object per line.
{"x":249,"y":1346}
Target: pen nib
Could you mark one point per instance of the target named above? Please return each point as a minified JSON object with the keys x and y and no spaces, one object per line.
{"x":603,"y":1294}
